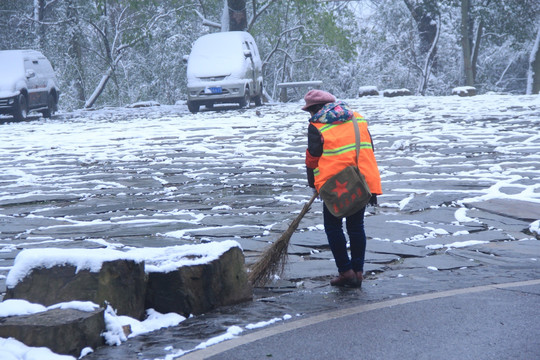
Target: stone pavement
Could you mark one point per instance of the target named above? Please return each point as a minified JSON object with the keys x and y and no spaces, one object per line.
{"x":460,"y":179}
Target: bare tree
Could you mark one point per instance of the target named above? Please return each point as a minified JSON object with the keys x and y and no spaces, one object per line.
{"x":118,"y":32}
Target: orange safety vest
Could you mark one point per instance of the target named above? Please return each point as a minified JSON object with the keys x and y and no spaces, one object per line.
{"x":339,"y":151}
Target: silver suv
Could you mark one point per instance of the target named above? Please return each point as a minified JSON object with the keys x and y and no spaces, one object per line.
{"x":27,"y":82}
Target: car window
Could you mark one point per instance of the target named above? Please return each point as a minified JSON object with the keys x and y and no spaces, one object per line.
{"x":42,"y":66}
{"x":254,"y":49}
{"x":28,"y":65}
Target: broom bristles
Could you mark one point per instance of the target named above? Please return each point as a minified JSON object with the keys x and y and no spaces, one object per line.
{"x":274,"y":258}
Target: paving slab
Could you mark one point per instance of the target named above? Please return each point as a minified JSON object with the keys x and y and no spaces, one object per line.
{"x":381,"y":227}
{"x":400,"y":249}
{"x":315,"y":239}
{"x":252,"y":245}
{"x":319,"y":268}
{"x":322,"y":255}
{"x":437,"y":262}
{"x":488,"y":235}
{"x":499,"y":261}
{"x":511,"y":249}
{"x":380,"y":258}
{"x":517,"y":209}
{"x":422,"y":202}
{"x":371,"y":257}
{"x":490,"y":219}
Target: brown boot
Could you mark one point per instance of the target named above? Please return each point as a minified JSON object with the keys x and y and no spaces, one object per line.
{"x":345,"y":279}
{"x":359,"y":278}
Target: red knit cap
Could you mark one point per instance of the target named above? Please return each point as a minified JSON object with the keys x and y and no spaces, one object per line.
{"x":314,"y":97}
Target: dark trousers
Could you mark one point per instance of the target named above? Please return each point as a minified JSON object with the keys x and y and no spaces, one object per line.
{"x":333,"y":227}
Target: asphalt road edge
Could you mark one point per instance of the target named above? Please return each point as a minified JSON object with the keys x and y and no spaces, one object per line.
{"x":335,"y":314}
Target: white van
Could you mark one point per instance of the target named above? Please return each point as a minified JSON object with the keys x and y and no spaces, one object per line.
{"x":224,"y":67}
{"x":27,"y":82}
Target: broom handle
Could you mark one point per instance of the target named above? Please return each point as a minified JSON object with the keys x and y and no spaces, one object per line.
{"x":294,"y":224}
{"x":313,"y":197}
{"x":306,"y":207}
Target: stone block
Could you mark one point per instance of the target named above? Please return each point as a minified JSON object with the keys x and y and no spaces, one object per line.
{"x":368,"y":91}
{"x":396,"y":92}
{"x":64,"y":331}
{"x":464,"y":91}
{"x":122,"y":283}
{"x":198,"y":288}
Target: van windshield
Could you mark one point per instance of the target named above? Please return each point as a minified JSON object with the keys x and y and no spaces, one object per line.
{"x":11,"y":66}
{"x":218,"y":54}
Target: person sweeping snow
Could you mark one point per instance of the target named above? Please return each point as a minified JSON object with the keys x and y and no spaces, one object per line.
{"x":333,"y":145}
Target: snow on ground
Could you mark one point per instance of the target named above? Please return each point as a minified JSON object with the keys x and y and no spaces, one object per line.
{"x":132,"y":178}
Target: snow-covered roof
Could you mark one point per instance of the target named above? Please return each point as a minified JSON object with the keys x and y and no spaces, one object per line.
{"x":11,"y":64}
{"x":217,"y":54}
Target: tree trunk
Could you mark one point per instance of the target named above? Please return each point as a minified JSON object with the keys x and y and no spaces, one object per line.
{"x":75,"y":52}
{"x":533,"y":78}
{"x":476,"y":47}
{"x":424,"y":17}
{"x":237,"y":15}
{"x":466,"y":43}
{"x":430,"y":60}
{"x":99,"y":89}
{"x":39,"y":14}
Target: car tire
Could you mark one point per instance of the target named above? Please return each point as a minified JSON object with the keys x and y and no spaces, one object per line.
{"x":192,"y":107}
{"x":51,"y":107}
{"x":258,"y":99}
{"x":244,"y":103}
{"x":21,"y":108}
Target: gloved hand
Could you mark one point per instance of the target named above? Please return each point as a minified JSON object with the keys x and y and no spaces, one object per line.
{"x":373,"y":200}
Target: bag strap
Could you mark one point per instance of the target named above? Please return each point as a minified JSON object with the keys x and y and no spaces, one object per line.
{"x":357,"y":137}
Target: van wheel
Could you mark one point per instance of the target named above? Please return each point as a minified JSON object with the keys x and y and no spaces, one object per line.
{"x":51,"y":107}
{"x":258,"y":99}
{"x":193,"y":108}
{"x":21,"y":108}
{"x":244,"y":103}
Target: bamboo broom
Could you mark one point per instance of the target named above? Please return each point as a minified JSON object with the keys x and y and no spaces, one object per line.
{"x":274,"y":258}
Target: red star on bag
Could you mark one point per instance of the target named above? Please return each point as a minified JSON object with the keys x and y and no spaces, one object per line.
{"x":340,"y":188}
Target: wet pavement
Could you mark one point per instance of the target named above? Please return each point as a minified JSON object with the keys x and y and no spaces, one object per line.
{"x":481,"y":322}
{"x":460,"y":176}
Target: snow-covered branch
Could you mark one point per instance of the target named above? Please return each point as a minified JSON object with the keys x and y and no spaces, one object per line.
{"x":280,"y":37}
{"x":258,"y":13}
{"x":116,"y":49}
{"x":207,"y":22}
